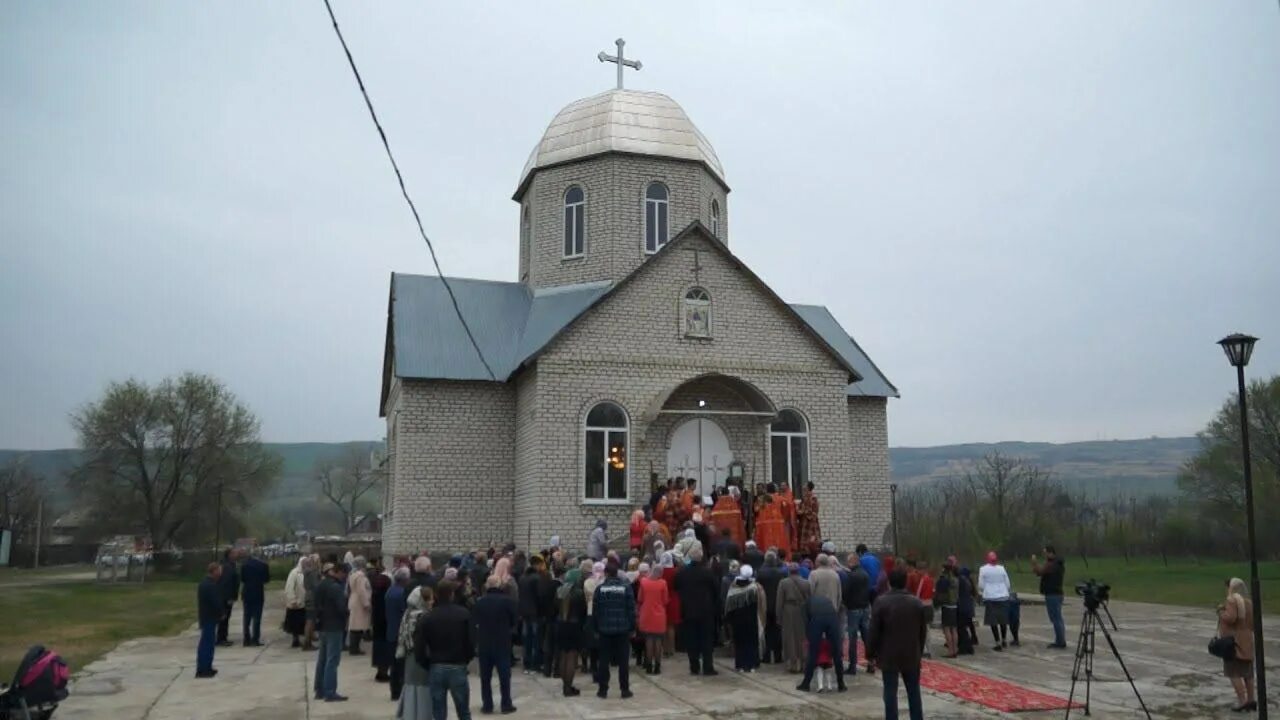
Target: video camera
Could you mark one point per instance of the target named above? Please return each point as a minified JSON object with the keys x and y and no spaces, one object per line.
{"x":1093,"y":592}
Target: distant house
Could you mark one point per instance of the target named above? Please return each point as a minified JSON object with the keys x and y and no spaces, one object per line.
{"x":66,"y":529}
{"x":367,"y":528}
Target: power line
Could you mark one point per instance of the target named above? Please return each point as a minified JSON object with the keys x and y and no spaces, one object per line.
{"x":403,"y":191}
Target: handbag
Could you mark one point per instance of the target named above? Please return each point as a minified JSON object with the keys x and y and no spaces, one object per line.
{"x":1223,"y":647}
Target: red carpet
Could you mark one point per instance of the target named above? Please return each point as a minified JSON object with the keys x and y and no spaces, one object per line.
{"x":974,"y":687}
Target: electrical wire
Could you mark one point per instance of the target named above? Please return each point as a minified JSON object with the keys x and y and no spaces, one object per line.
{"x":403,"y":191}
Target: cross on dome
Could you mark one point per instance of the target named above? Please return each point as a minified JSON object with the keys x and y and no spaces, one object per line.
{"x":619,"y":59}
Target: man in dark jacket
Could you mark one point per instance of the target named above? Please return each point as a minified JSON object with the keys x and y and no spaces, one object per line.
{"x":394,"y":606}
{"x":208,"y":612}
{"x":495,"y":619}
{"x":444,"y":643}
{"x":898,"y":631}
{"x":546,"y":593}
{"x":527,"y":591}
{"x":331,"y":622}
{"x":254,"y":575}
{"x":1051,"y":575}
{"x":769,"y":576}
{"x":699,"y":592}
{"x":753,"y":557}
{"x":614,"y":620}
{"x":229,"y":585}
{"x":855,"y":590}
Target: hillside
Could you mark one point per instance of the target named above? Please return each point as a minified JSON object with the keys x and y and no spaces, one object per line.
{"x":1127,"y":467}
{"x":1136,"y":467}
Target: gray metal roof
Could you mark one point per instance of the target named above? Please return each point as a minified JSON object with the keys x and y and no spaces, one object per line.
{"x":629,"y":121}
{"x":873,"y":382}
{"x":512,"y":325}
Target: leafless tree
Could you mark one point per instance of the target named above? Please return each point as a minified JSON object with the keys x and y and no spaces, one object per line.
{"x":344,"y":482}
{"x":21,"y":492}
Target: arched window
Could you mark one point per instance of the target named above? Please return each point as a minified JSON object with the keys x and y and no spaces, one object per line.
{"x":526,"y":234}
{"x":789,"y":448}
{"x":605,"y":450}
{"x":715,"y":217}
{"x":695,"y":313}
{"x":575,"y":219}
{"x":656,"y":231}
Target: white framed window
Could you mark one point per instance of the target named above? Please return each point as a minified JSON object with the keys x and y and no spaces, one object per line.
{"x":695,"y":313}
{"x":789,"y":450}
{"x":605,"y":451}
{"x":715,"y":217}
{"x":575,"y":222}
{"x":656,"y":223}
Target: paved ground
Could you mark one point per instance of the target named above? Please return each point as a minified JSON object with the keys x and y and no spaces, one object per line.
{"x":1163,"y":646}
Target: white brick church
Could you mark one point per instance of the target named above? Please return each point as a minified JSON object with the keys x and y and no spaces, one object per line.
{"x":633,"y":347}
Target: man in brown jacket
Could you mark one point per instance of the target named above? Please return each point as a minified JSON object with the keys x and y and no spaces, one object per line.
{"x":898,"y":631}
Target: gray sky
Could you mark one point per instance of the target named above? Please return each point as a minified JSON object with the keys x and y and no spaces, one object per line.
{"x":1036,"y":217}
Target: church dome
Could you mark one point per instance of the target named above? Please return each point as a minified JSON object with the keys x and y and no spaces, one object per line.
{"x":626,"y":121}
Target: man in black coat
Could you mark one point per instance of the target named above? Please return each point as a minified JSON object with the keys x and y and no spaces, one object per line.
{"x":699,"y":592}
{"x":546,"y":589}
{"x":753,"y":556}
{"x":445,"y":643}
{"x":769,"y":576}
{"x":331,"y":622}
{"x":229,"y":585}
{"x":530,"y":617}
{"x":898,"y":632}
{"x":208,"y":613}
{"x":495,"y":619}
{"x":254,"y":575}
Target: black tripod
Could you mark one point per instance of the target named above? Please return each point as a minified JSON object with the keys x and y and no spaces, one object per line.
{"x":1084,"y":656}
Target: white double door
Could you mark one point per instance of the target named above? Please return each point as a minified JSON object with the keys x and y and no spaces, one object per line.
{"x":700,"y":454}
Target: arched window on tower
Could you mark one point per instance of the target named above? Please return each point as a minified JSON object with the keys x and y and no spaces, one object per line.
{"x":526,"y":234}
{"x":605,"y":452}
{"x":715,"y":217}
{"x":695,"y":313}
{"x":656,"y":232}
{"x":789,"y":450}
{"x":575,"y":219}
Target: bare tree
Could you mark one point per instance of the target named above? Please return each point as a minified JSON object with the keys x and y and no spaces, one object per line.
{"x":21,"y":492}
{"x":345,"y":482}
{"x":1008,"y":485}
{"x":157,"y":457}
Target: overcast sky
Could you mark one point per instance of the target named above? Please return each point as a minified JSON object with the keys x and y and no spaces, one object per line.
{"x":1036,"y":217}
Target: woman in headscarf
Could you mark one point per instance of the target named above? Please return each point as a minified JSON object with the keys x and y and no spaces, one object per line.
{"x":792,"y":602}
{"x":295,"y":601}
{"x":994,"y":586}
{"x":310,"y":580}
{"x":589,"y":588}
{"x":688,"y":538}
{"x":571,"y":615}
{"x":502,"y":571}
{"x":744,"y":609}
{"x":637,"y":529}
{"x":383,"y":655}
{"x":597,"y":541}
{"x":655,"y":533}
{"x":1235,"y":620}
{"x":673,"y":602}
{"x":359,"y":605}
{"x":415,"y":696}
{"x":652,"y":620}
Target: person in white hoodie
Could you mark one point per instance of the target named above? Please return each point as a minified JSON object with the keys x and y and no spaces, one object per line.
{"x":994,"y":586}
{"x":295,"y":601}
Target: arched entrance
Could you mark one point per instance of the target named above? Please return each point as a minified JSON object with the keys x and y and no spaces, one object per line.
{"x":700,"y":453}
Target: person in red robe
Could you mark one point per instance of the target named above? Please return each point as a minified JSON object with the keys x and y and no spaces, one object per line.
{"x":809,"y":529}
{"x":727,"y":513}
{"x":788,"y":501}
{"x":771,"y":532}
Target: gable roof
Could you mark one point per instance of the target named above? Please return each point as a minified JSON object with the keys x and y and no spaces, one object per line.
{"x":513,"y":325}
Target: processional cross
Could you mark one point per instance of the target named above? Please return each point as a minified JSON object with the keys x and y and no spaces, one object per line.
{"x":619,"y":59}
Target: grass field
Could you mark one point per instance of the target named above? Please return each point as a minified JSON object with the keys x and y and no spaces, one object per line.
{"x":84,"y":620}
{"x":1147,"y":579}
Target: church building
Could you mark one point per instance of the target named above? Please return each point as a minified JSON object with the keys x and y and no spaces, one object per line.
{"x":633,"y":346}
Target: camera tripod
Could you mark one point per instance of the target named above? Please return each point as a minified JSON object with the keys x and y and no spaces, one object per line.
{"x":1084,"y":657}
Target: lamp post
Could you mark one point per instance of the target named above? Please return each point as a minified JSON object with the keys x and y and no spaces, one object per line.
{"x":893,"y":514}
{"x":1238,"y":348}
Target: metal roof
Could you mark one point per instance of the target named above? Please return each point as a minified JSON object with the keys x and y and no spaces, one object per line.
{"x":512,"y":325}
{"x":628,"y":121}
{"x":873,"y":382}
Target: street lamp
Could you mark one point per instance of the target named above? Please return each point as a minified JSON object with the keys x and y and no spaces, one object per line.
{"x":893,"y":514}
{"x":1238,"y":348}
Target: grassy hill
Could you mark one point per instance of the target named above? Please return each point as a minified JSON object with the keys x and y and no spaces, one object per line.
{"x":1137,"y":467}
{"x":1127,"y":467}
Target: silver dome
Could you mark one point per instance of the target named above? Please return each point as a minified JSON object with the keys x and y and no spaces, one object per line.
{"x":628,"y":121}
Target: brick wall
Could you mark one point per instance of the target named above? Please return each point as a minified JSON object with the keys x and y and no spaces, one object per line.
{"x":454,"y":467}
{"x":870,"y":512}
{"x":614,"y":185}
